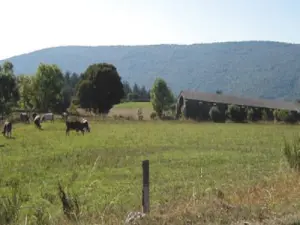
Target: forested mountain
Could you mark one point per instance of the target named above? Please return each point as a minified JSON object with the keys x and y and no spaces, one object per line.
{"x":253,"y":68}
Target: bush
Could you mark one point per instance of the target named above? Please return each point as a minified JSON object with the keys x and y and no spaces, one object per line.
{"x":236,"y":113}
{"x":264,"y":115}
{"x":292,"y":153}
{"x":216,"y":115}
{"x":250,"y":114}
{"x":140,"y":114}
{"x":72,"y":109}
{"x":285,"y":116}
{"x":153,"y":115}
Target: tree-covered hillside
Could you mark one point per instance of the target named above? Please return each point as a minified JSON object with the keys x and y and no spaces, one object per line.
{"x":256,"y":68}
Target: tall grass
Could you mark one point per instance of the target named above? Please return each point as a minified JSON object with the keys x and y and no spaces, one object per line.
{"x":292,"y":153}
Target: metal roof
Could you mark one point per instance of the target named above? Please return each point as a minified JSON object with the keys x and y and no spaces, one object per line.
{"x":236,"y":100}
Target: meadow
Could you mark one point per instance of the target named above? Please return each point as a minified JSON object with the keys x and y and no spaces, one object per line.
{"x":200,"y":173}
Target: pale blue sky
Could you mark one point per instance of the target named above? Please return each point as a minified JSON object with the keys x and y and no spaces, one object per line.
{"x":28,"y":25}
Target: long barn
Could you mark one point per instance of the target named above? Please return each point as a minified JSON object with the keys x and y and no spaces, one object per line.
{"x":196,"y":105}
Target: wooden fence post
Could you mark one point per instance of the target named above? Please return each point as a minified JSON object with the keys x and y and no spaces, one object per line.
{"x":145,"y":191}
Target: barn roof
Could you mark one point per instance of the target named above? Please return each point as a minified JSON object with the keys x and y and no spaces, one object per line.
{"x":229,"y":99}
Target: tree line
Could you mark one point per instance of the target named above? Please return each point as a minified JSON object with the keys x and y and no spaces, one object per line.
{"x":135,"y":93}
{"x":97,"y":89}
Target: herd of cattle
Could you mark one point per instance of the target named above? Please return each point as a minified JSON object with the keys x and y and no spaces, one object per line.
{"x":77,"y":125}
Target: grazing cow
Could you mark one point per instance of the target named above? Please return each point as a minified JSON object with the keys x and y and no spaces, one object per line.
{"x":7,"y":129}
{"x":24,"y":117}
{"x":47,"y":116}
{"x":37,"y":121}
{"x":86,"y":125}
{"x":34,"y":115}
{"x":78,"y":126}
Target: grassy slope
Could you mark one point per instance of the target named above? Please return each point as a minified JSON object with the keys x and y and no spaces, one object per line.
{"x":131,"y":108}
{"x":244,"y":161}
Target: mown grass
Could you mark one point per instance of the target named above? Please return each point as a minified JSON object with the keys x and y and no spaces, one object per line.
{"x":134,"y":105}
{"x":187,"y":160}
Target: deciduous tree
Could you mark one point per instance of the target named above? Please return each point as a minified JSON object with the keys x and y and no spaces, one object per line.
{"x":9,"y":94}
{"x":26,"y":90}
{"x":48,"y":84}
{"x":100,"y":87}
{"x":161,"y":96}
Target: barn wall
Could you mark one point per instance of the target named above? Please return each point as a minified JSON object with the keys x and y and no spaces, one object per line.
{"x":192,"y":109}
{"x":199,"y":110}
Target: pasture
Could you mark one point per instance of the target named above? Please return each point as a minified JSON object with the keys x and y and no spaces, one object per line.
{"x":129,"y":109}
{"x":200,"y":173}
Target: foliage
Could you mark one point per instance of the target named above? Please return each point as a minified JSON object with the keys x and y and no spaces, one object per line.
{"x":48,"y":85}
{"x":161,"y":96}
{"x":100,"y":87}
{"x":236,"y":113}
{"x":264,"y":115}
{"x":285,"y":116}
{"x":68,"y":92}
{"x":140,"y":114}
{"x":216,"y":115}
{"x":136,"y":93}
{"x":153,"y":115}
{"x":250,"y":114}
{"x":9,"y":93}
{"x":27,"y":92}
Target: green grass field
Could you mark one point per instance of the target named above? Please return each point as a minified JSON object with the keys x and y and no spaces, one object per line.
{"x":188,"y":163}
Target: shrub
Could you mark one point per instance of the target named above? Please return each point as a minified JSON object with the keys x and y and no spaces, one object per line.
{"x":153,"y":115}
{"x":250,"y":114}
{"x":72,"y":109}
{"x":264,"y":115}
{"x":140,"y":114}
{"x":285,"y":116}
{"x":216,"y":115}
{"x":292,"y":153}
{"x":236,"y":113}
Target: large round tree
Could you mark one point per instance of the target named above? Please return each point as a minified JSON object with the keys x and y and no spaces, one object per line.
{"x":100,"y":87}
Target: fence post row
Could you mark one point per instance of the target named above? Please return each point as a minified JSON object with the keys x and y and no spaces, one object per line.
{"x":145,"y":190}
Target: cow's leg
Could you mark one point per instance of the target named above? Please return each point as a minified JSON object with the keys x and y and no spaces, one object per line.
{"x":67,"y":131}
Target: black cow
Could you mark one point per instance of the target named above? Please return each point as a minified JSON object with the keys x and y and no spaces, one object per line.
{"x":78,"y":126}
{"x":37,"y":121}
{"x":34,"y":115}
{"x":24,"y":117}
{"x":7,"y":128}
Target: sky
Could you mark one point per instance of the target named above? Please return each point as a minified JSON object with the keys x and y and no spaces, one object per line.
{"x":29,"y":25}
